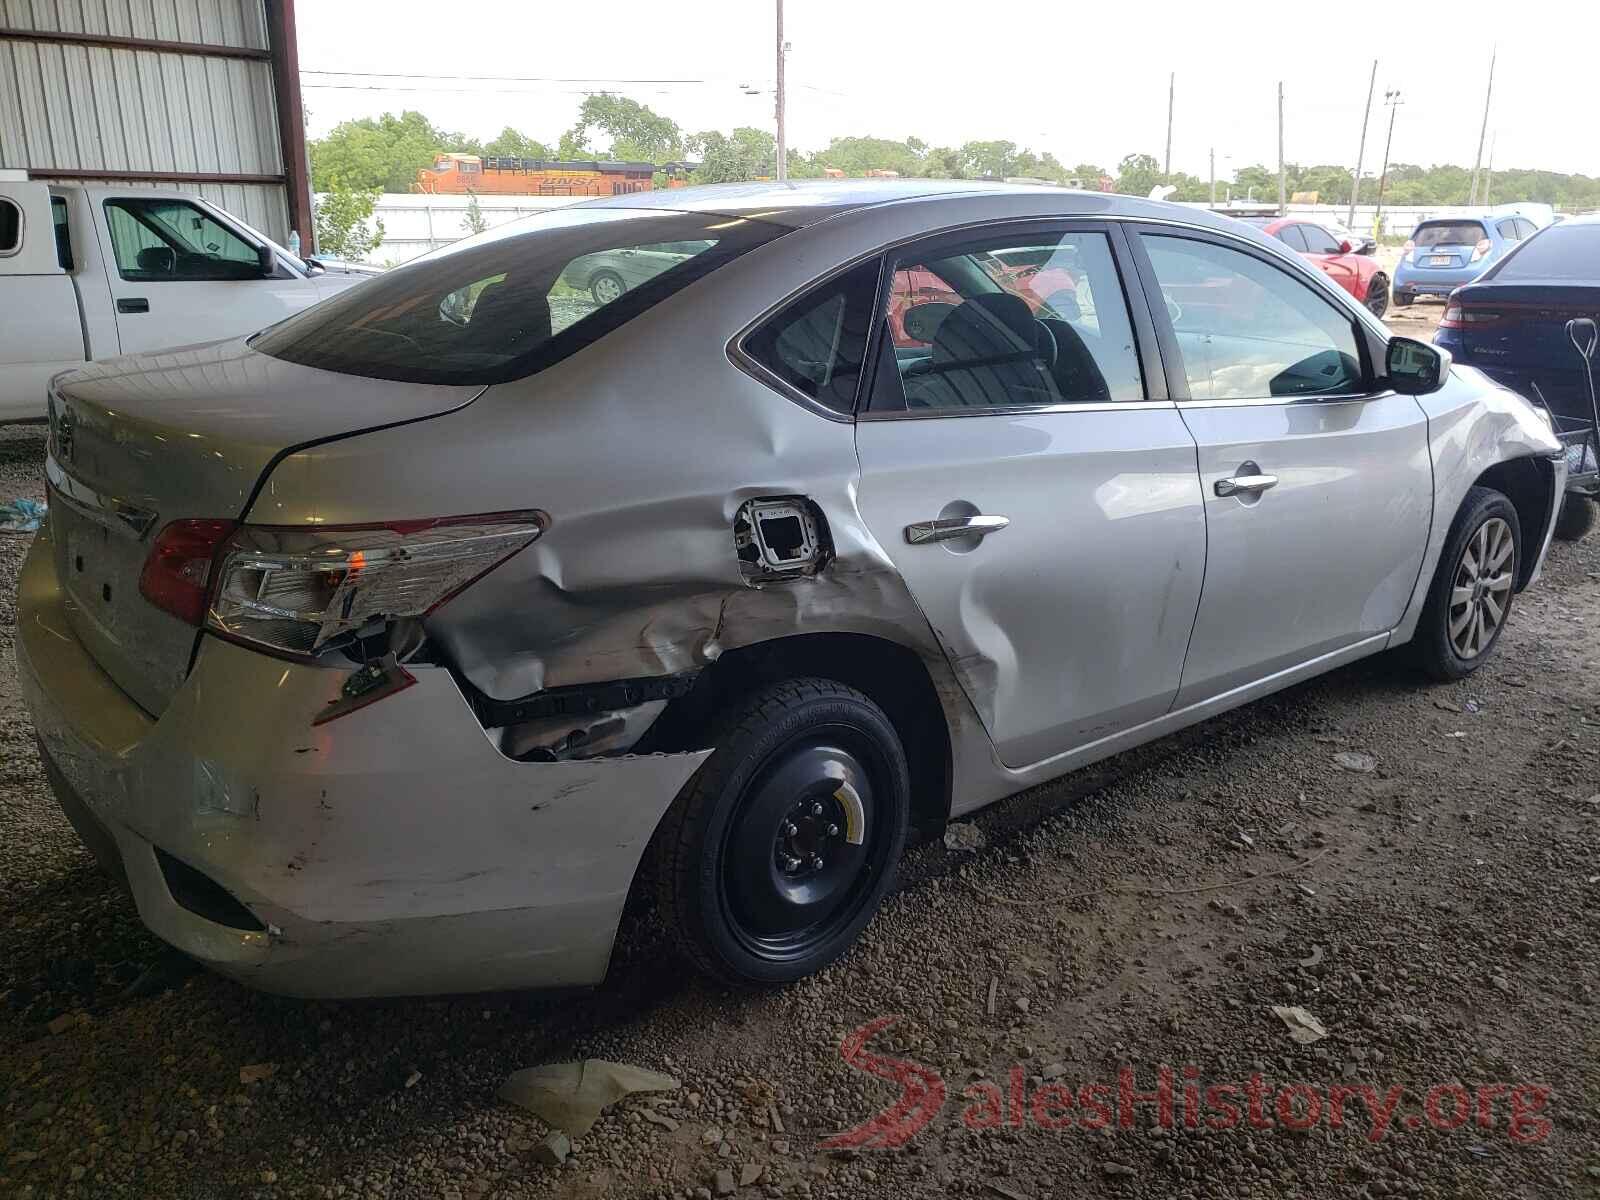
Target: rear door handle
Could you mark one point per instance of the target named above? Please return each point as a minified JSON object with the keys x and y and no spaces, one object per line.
{"x":945,"y":529}
{"x":133,"y":304}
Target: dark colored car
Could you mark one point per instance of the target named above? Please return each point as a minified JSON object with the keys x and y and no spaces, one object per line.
{"x":1513,"y":324}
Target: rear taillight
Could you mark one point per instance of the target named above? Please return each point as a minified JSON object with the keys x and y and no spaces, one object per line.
{"x":1408,"y":250}
{"x":1483,"y":247}
{"x":177,"y":573}
{"x":296,"y":590}
{"x":1458,"y":316}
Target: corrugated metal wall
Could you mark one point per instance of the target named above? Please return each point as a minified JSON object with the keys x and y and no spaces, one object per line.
{"x":94,"y":108}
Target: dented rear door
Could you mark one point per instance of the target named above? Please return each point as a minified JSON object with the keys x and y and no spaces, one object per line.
{"x":1044,"y":510}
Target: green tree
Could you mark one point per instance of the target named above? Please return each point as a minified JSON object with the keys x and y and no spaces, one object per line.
{"x":380,"y":153}
{"x":636,"y":133}
{"x":746,"y":153}
{"x":342,"y":216}
{"x":1137,"y":174}
{"x":511,"y":143}
{"x":474,"y":219}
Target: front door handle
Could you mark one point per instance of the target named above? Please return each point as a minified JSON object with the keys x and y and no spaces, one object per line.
{"x":133,"y":304}
{"x":945,"y":529}
{"x":1249,"y":482}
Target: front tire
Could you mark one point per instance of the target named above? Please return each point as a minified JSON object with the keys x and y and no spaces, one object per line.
{"x":605,"y":287}
{"x":1377,"y":301}
{"x":1470,"y":599}
{"x":779,"y":851}
{"x":1576,"y":517}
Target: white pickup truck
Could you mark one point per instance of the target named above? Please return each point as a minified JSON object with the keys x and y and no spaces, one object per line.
{"x":91,"y":272}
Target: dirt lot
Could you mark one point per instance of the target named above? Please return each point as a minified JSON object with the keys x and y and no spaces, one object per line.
{"x":1437,"y":915}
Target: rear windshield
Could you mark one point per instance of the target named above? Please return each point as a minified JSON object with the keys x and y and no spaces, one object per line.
{"x":1570,"y":252}
{"x":513,"y":300}
{"x":1449,"y":233}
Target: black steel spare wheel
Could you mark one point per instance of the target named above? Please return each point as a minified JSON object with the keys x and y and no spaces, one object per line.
{"x":782,"y":847}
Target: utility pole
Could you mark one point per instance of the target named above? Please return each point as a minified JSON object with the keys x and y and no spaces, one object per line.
{"x":1283,"y":201}
{"x":783,"y":153}
{"x":1172,"y":91}
{"x":1488,"y":176}
{"x":1391,"y":97}
{"x":1472,"y":197}
{"x":1355,"y":179}
{"x":1213,"y":177}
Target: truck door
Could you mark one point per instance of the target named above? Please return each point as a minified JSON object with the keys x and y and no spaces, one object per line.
{"x":179,"y":274}
{"x":40,"y":333}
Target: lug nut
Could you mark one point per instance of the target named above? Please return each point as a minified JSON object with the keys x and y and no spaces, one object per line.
{"x":833,"y":831}
{"x":816,"y":808}
{"x":789,"y":828}
{"x":816,"y":864}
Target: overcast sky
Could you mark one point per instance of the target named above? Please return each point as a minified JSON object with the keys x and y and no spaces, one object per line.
{"x":1087,"y":82}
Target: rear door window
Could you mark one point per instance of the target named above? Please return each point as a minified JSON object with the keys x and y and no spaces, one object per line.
{"x":1291,"y":237}
{"x":58,"y":214}
{"x":1009,"y":321}
{"x":1510,"y":230}
{"x":514,"y":300}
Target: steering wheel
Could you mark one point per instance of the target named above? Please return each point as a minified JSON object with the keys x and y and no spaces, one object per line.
{"x":1174,"y":309}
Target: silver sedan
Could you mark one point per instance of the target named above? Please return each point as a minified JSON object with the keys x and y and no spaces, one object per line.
{"x":383,"y":651}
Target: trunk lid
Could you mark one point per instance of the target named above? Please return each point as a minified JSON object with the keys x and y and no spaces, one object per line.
{"x":138,"y":442}
{"x":1523,"y":327}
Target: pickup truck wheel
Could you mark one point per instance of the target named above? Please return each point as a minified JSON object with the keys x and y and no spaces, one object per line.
{"x":1473,"y":587}
{"x":1576,"y":517}
{"x":1378,"y":295}
{"x":606,"y":287}
{"x":780,"y":849}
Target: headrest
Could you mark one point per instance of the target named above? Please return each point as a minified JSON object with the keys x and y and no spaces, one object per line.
{"x":985,"y":327}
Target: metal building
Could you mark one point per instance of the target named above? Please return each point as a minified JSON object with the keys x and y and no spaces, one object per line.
{"x":202,"y":95}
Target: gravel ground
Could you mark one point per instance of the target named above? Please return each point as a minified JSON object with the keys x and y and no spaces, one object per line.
{"x":1436,"y":914}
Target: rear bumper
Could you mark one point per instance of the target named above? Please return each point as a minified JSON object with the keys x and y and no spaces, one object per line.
{"x":1430,"y":281}
{"x":393,"y":851}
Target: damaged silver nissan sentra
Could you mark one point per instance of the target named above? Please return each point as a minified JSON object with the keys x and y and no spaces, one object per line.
{"x":384,"y":651}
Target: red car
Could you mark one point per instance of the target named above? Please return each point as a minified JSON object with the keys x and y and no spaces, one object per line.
{"x":1357,"y":274}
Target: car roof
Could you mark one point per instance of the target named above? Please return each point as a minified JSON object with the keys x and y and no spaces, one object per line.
{"x":802,"y":202}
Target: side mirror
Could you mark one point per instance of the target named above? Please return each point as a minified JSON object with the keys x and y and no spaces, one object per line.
{"x":267,"y":260}
{"x":1415,"y":368}
{"x":1345,"y":247}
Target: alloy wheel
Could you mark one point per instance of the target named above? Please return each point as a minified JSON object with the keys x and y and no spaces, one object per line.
{"x":606,"y":288}
{"x":1378,"y":296}
{"x":1481,"y":590}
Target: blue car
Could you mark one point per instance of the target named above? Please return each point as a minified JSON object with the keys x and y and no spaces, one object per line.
{"x":1444,"y":254}
{"x":1515,"y":324}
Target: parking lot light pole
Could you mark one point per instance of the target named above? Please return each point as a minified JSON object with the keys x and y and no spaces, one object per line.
{"x":1283,"y":205}
{"x":1392,"y":98}
{"x":1361,"y":152}
{"x":783,"y":153}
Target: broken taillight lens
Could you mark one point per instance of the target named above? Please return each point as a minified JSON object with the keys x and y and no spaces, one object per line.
{"x":295,"y":590}
{"x":177,"y":573}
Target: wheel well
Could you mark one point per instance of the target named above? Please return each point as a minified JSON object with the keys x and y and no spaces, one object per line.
{"x":1526,"y":482}
{"x":892,"y":676}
